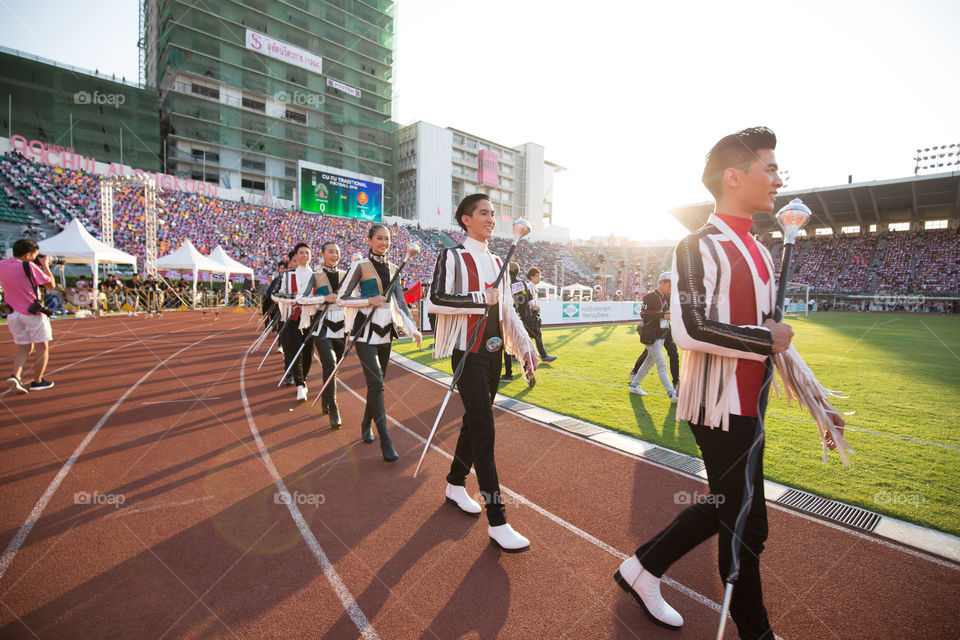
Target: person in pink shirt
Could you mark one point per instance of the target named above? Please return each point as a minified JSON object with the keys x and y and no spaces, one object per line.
{"x":21,"y":277}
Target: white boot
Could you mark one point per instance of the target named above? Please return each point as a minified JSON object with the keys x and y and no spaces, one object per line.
{"x":645,"y":587}
{"x":302,"y":393}
{"x":635,"y":388}
{"x":458,"y":495}
{"x":507,"y":539}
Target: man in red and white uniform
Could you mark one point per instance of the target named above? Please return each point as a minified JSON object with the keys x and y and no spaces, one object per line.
{"x":461,"y":293}
{"x":724,"y":294}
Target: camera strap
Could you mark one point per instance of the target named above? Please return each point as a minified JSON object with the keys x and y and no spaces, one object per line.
{"x":36,"y":290}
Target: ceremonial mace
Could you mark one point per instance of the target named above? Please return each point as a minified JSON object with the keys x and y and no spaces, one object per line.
{"x":792,"y":217}
{"x":280,"y":324}
{"x":413,"y":249}
{"x":313,"y":327}
{"x":521,"y":228}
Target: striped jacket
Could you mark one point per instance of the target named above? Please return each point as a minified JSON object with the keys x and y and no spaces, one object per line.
{"x":457,"y":297}
{"x":389,"y":319}
{"x":701,"y":279}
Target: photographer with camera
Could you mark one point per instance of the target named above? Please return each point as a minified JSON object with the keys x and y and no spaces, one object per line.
{"x":21,"y":278}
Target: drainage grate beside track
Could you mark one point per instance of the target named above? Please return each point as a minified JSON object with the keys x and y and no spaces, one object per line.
{"x":831,"y":510}
{"x":674,"y":459}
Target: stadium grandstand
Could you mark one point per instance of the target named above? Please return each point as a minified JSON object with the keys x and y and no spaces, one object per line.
{"x":871,"y":240}
{"x":844,"y":259}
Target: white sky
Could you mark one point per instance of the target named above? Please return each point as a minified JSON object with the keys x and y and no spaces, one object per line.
{"x":630,"y":95}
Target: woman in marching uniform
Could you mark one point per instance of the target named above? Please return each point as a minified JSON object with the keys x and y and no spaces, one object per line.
{"x":321,"y":297}
{"x":295,"y":331}
{"x":363,"y":291}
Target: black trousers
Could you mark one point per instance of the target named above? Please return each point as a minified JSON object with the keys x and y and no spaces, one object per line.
{"x":291,"y":337}
{"x":374,"y":358}
{"x":330,"y":350}
{"x":725,"y":458}
{"x":478,"y":386}
{"x":672,"y":353}
{"x":507,"y":364}
{"x":532,"y":324}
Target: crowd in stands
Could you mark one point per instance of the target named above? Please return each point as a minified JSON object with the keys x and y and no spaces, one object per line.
{"x":925,"y":262}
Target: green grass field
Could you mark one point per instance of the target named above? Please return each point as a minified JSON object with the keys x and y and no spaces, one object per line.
{"x":901,"y":371}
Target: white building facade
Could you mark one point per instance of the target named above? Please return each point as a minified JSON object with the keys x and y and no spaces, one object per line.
{"x":436,"y":167}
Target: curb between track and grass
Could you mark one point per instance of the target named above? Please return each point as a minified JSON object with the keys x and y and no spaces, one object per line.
{"x":930,"y":544}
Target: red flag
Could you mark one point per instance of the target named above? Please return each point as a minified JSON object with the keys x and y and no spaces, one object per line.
{"x":438,"y":211}
{"x":412,"y":295}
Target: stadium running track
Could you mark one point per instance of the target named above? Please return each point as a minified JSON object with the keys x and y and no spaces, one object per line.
{"x":172,"y":417}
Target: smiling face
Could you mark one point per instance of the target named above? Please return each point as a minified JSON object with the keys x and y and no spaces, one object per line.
{"x":331,"y":254}
{"x":380,"y":242}
{"x":755,"y":189}
{"x":303,"y":256}
{"x":481,"y":223}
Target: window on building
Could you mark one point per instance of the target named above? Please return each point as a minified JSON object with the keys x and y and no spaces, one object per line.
{"x":206,"y":91}
{"x":898,"y":226}
{"x":253,"y":165}
{"x":853,"y":229}
{"x":295,"y":115}
{"x":253,"y":103}
{"x":824,"y":231}
{"x":936,"y":224}
{"x":873,"y":228}
{"x":776,"y":234}
{"x":248,"y":182}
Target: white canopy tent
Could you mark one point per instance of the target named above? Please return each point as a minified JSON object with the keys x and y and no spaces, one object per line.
{"x":187,"y":257}
{"x":546,"y":290}
{"x":576,"y":292}
{"x":75,"y":244}
{"x":220,"y":256}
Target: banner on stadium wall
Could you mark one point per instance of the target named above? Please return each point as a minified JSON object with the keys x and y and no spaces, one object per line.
{"x":55,"y":156}
{"x":284,"y":52}
{"x":559,"y":312}
{"x":337,"y":192}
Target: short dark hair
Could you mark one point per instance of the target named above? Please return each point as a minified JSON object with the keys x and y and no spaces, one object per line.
{"x":376,"y":226}
{"x":297,"y":246}
{"x":533,"y":271}
{"x":466,"y":207}
{"x":282,"y":263}
{"x":323,"y":247}
{"x":23,"y":246}
{"x":514,"y":269}
{"x":737,"y":150}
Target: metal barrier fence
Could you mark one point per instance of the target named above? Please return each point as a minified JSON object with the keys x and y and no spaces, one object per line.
{"x":70,"y":301}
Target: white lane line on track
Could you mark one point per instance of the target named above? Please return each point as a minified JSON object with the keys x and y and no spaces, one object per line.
{"x":183,"y":400}
{"x":111,"y":350}
{"x":24,"y":531}
{"x":346,"y":598}
{"x":695,"y":595}
{"x":129,"y":511}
